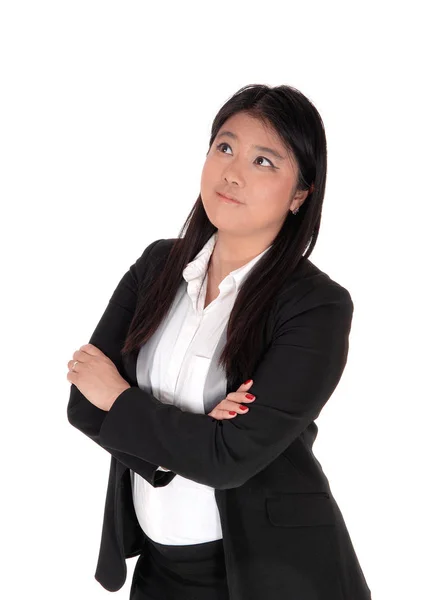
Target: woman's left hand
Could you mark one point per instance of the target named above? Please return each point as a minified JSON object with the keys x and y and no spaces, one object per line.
{"x":96,"y":376}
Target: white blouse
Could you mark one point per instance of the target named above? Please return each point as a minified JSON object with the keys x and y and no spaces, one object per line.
{"x":173,"y":366}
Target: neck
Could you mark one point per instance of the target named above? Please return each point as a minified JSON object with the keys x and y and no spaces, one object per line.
{"x":232,"y":253}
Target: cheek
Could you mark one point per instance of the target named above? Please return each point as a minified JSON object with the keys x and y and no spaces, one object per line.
{"x":206,"y":177}
{"x":268,"y":195}
{"x":209,"y":180}
{"x":268,"y":204}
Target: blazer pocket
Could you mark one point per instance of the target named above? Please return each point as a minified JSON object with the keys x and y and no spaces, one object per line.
{"x":300,"y":509}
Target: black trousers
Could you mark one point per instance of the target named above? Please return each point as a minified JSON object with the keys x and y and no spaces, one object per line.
{"x":185,"y":572}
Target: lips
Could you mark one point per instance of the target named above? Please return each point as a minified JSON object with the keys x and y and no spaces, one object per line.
{"x":229,"y":197}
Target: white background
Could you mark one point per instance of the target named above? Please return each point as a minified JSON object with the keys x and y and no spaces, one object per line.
{"x":106,"y":109}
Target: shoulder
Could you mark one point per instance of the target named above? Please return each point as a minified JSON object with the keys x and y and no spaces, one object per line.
{"x":318,"y":281}
{"x":309,"y":288}
{"x":150,"y":260}
{"x":154,"y":252}
{"x":308,"y":285}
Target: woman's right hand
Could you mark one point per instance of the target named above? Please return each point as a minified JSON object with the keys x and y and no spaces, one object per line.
{"x":232,"y":403}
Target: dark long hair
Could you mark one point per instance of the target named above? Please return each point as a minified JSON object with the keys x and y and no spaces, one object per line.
{"x":300,"y":128}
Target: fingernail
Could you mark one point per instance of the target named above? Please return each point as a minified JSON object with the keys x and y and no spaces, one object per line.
{"x":250,"y":396}
{"x":243,"y":407}
{"x":248,"y":381}
{"x":232,"y":412}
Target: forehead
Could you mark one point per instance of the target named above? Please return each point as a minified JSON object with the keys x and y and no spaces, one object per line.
{"x":244,"y":128}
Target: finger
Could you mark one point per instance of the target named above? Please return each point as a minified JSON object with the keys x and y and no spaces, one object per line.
{"x":232,"y":403}
{"x":240,"y":397}
{"x":71,"y":364}
{"x":226,"y":407}
{"x":80,"y":355}
{"x":229,"y":405}
{"x":219,"y":414}
{"x":245,"y":386}
{"x":91,"y":349}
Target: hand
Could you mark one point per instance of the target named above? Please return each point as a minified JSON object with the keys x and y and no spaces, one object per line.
{"x":96,"y":377}
{"x":232,"y":402}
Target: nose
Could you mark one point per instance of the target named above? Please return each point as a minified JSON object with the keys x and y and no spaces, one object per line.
{"x":232,"y":178}
{"x":233,"y":175}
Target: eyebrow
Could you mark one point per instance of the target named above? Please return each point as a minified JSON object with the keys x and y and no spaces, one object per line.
{"x":260,"y":148}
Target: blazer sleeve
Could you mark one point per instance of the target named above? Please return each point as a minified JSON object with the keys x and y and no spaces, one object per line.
{"x":293,"y":380}
{"x":109,"y":336}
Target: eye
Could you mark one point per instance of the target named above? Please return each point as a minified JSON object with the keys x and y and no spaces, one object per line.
{"x":222,"y":144}
{"x":260,"y":157}
{"x":219,"y":146}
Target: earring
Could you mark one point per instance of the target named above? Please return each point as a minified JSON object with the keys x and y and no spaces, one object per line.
{"x":295,"y":211}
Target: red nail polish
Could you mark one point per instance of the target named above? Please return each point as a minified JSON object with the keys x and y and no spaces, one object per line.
{"x":232,"y":412}
{"x":250,"y":396}
{"x":243,"y":407}
{"x":248,"y":381}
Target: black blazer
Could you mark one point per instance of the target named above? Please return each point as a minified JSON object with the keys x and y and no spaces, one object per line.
{"x":283,"y":533}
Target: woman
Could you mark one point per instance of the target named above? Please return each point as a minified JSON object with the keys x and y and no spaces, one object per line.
{"x":204,"y":377}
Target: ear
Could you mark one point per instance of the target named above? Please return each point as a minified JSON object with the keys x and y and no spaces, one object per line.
{"x":298,"y":199}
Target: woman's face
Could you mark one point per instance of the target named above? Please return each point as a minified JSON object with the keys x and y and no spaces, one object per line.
{"x":260,"y":180}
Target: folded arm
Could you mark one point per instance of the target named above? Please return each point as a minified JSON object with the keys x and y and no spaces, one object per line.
{"x":292,"y":382}
{"x":109,"y":336}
